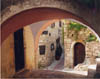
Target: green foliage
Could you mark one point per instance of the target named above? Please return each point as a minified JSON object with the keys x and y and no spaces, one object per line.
{"x":75,"y":26}
{"x":91,"y":37}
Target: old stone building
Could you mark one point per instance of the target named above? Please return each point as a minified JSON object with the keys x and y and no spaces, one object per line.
{"x":48,"y":41}
{"x":34,"y":31}
{"x":78,"y":40}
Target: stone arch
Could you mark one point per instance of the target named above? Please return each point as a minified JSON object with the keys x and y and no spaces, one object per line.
{"x":20,"y":20}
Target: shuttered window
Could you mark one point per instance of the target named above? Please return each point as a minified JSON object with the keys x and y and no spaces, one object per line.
{"x":42,"y":49}
{"x":45,"y":32}
{"x":52,"y":46}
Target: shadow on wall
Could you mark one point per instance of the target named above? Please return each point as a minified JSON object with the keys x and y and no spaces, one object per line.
{"x":97,"y":75}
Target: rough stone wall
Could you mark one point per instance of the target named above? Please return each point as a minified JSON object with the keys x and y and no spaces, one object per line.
{"x":72,"y":6}
{"x":68,"y":63}
{"x":7,"y":58}
{"x":92,"y":49}
{"x":92,"y":52}
{"x":48,"y":58}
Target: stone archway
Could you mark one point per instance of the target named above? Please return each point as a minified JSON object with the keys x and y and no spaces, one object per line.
{"x":20,"y":20}
{"x":34,"y":15}
{"x":79,"y":53}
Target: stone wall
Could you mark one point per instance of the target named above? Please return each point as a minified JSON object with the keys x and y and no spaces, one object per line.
{"x":7,"y":57}
{"x":68,"y":63}
{"x":47,"y":40}
{"x":92,"y":52}
{"x":13,"y":7}
{"x":48,"y":58}
{"x":92,"y":49}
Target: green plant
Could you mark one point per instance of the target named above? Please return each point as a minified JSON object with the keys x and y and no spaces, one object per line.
{"x":91,"y":37}
{"x":75,"y":26}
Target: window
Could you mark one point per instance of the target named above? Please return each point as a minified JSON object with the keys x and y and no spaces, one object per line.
{"x":49,"y":34}
{"x":53,"y":25}
{"x":60,"y":23}
{"x":52,"y":46}
{"x":45,"y":32}
{"x":58,"y":40}
{"x":42,"y":49}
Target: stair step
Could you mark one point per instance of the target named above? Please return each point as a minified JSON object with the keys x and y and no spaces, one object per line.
{"x":91,"y":71}
{"x":98,"y":65}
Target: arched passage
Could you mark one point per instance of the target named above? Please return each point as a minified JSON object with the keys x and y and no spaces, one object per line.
{"x":79,"y":53}
{"x":34,"y":15}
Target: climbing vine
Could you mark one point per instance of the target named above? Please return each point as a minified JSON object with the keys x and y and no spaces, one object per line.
{"x":90,"y":38}
{"x":76,"y":28}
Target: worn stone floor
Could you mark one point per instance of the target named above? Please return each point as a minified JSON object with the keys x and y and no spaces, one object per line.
{"x":55,"y":70}
{"x":57,"y":64}
{"x":46,"y":74}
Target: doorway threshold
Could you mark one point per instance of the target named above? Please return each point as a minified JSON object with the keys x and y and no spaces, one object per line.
{"x":85,"y":73}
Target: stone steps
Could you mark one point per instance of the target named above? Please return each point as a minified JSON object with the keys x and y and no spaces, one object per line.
{"x":91,"y":71}
{"x":94,"y":69}
{"x":98,"y":65}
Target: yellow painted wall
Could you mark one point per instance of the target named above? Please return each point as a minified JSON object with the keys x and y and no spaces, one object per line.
{"x":29,"y":48}
{"x":7,"y":57}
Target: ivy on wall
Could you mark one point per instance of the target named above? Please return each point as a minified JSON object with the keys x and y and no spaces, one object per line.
{"x":76,"y":27}
{"x":90,"y":38}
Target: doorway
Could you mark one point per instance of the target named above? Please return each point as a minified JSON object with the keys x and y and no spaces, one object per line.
{"x":58,"y":52}
{"x":19,"y":50}
{"x":79,"y":53}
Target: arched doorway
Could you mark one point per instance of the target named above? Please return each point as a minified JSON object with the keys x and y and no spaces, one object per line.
{"x":79,"y":53}
{"x":19,"y":50}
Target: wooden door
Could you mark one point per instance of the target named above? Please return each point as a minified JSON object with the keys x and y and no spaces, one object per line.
{"x":19,"y":50}
{"x":79,"y":53}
